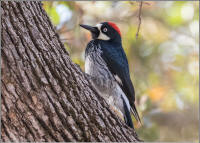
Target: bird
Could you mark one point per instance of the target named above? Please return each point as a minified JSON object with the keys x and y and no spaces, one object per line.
{"x":107,"y":65}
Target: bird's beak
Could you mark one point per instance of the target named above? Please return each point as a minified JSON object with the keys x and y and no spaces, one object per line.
{"x":90,"y":28}
{"x":93,"y":30}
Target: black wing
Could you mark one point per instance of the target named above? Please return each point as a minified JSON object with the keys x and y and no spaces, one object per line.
{"x":117,"y":63}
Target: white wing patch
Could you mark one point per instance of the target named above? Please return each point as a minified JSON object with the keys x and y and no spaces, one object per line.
{"x":118,"y":79}
{"x":101,"y":35}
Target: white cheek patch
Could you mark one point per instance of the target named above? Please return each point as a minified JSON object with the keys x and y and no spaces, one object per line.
{"x":102,"y":36}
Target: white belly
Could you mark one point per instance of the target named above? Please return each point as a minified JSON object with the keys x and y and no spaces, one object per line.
{"x":105,"y":83}
{"x":88,"y":65}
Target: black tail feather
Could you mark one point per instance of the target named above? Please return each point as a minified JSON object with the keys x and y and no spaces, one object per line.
{"x":135,"y":113}
{"x":127,"y":116}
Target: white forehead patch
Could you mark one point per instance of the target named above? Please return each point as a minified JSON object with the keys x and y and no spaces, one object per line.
{"x":99,"y":26}
{"x":102,"y":36}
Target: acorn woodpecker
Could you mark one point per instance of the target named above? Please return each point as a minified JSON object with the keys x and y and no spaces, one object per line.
{"x":107,"y":65}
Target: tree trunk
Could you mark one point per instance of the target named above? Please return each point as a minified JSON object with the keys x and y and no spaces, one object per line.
{"x":45,"y":96}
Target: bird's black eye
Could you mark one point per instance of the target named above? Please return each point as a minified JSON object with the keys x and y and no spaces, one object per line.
{"x":105,"y":29}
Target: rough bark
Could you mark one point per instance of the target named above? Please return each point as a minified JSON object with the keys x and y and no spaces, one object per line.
{"x":45,"y":96}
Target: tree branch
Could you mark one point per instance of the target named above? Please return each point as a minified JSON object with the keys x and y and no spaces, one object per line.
{"x":139,"y":18}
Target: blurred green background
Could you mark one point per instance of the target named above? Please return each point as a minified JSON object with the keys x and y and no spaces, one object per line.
{"x":163,"y":60}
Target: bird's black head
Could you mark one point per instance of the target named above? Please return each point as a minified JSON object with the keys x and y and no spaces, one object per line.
{"x":106,"y":31}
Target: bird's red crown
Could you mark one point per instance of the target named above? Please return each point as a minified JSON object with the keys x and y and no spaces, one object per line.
{"x":113,"y":25}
